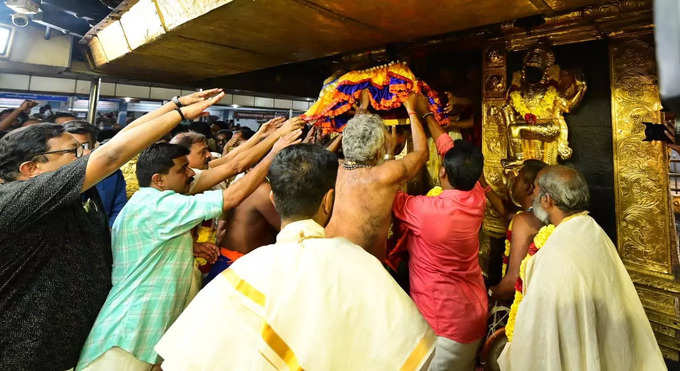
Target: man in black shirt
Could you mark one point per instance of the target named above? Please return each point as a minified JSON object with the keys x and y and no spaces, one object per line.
{"x":55,"y":252}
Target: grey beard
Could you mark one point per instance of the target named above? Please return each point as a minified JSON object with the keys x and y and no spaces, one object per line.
{"x":540,"y":212}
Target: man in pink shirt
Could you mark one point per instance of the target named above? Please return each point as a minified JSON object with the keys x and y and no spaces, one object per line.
{"x":443,"y":244}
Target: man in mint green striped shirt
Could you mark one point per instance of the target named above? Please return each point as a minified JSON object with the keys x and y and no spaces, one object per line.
{"x":152,"y":256}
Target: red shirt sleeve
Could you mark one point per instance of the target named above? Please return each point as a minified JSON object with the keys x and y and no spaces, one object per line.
{"x":444,"y":144}
{"x":405,"y":208}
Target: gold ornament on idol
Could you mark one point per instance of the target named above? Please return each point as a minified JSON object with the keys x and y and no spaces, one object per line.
{"x":543,"y":108}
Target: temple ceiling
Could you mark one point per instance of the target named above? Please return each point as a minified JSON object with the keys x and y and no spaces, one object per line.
{"x":184,"y":41}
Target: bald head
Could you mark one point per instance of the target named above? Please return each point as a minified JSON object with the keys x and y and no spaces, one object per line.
{"x":566,"y":186}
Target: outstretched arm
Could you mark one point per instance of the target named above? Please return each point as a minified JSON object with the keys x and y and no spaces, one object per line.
{"x":126,"y":144}
{"x":186,"y":100}
{"x":265,"y":130}
{"x":399,"y":171}
{"x":24,"y":107}
{"x":335,"y":144}
{"x":244,"y":160}
{"x":581,"y":89}
{"x":238,"y":191}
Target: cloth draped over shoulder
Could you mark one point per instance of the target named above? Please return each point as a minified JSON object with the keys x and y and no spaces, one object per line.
{"x":388,"y":86}
{"x":297,"y":305}
{"x":580,"y":309}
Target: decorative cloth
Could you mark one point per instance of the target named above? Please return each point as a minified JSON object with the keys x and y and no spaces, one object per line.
{"x":388,"y":86}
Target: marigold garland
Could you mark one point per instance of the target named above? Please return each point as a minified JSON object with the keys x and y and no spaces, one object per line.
{"x":506,"y":256}
{"x":539,"y":241}
{"x":543,"y":234}
{"x":205,"y":234}
{"x":435,"y":191}
{"x":388,"y":87}
{"x":544,"y":108}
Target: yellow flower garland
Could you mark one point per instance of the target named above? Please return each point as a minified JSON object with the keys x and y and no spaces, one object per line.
{"x":507,"y":254}
{"x":543,"y":235}
{"x":544,"y":108}
{"x":539,"y":241}
{"x":435,"y":191}
{"x":205,"y":234}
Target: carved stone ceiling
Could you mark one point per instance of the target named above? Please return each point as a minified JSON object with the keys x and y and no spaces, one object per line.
{"x":182,"y":41}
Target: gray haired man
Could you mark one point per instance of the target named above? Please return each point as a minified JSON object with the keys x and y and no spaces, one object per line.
{"x":367,"y":184}
{"x":577,"y":292}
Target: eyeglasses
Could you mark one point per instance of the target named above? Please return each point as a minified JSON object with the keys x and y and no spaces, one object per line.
{"x":86,"y":146}
{"x":77,"y":151}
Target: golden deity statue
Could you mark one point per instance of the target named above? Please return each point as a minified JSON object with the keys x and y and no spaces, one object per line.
{"x":538,"y":98}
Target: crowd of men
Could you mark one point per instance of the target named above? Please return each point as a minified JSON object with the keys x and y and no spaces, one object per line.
{"x":271,"y":253}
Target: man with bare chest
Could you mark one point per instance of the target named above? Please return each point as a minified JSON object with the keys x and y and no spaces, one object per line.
{"x":367,"y":184}
{"x":253,"y":223}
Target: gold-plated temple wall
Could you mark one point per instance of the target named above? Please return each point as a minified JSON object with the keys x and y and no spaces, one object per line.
{"x":645,"y":223}
{"x":494,"y":143}
{"x":494,"y":131}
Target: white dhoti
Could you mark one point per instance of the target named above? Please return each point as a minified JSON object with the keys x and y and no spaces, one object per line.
{"x":580,"y":310}
{"x":117,"y":359}
{"x":305,"y":303}
{"x":450,"y":355}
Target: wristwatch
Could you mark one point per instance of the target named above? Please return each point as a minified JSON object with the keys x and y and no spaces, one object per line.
{"x":181,"y":114}
{"x":177,"y":102}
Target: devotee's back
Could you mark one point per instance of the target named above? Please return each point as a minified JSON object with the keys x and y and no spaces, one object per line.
{"x":307,"y":302}
{"x":367,"y":184}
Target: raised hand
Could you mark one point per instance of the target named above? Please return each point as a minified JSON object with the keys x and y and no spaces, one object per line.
{"x":451,"y":99}
{"x":335,"y":144}
{"x":193,"y":110}
{"x":27,"y":105}
{"x":365,"y":101}
{"x":198,"y":96}
{"x":410,"y":102}
{"x":271,"y":125}
{"x":291,"y":124}
{"x":287,"y":140}
{"x":311,"y":135}
{"x":422,"y":104}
